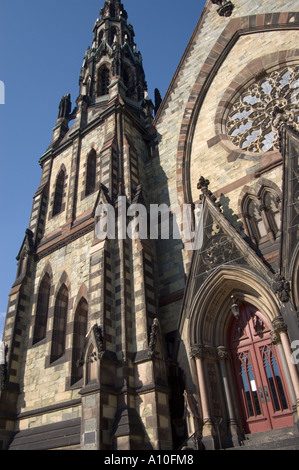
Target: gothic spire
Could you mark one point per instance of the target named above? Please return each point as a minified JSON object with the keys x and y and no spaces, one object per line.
{"x":113,"y":9}
{"x":113,"y":57}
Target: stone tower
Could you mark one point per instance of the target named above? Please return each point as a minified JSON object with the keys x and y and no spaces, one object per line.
{"x":82,"y":333}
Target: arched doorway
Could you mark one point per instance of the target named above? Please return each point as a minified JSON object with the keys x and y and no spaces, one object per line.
{"x":262,"y":392}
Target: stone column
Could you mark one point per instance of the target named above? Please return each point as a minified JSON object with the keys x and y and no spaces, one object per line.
{"x":197,"y":353}
{"x":223,"y":356}
{"x":280,"y":328}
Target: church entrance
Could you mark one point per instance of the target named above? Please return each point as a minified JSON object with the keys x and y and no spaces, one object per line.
{"x":262,"y":391}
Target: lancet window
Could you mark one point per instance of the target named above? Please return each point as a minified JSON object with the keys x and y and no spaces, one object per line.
{"x":59,"y":190}
{"x":42,"y":309}
{"x":262,"y":215}
{"x":91,"y":172}
{"x":59,"y":324}
{"x":103,"y":81}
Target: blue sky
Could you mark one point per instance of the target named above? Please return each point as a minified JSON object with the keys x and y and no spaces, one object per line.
{"x":42,"y":45}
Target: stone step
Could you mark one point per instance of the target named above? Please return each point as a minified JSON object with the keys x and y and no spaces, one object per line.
{"x":278,"y":439}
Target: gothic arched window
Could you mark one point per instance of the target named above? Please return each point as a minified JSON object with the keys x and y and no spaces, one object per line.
{"x":113,"y":34}
{"x":101,"y":36}
{"x":80,"y":331}
{"x":128,"y":77}
{"x":59,"y":324}
{"x":103,"y":81}
{"x":42,"y":308}
{"x":112,"y":11}
{"x":91,"y":172}
{"x":262,"y":215}
{"x":254,"y":219}
{"x":22,"y":264}
{"x":59,"y":190}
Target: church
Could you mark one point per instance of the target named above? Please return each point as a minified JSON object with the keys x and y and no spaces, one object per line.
{"x":164,"y":337}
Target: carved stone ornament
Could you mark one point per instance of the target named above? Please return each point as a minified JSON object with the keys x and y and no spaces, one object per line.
{"x":203,"y":185}
{"x":99,"y":340}
{"x":218,"y":250}
{"x":225,"y":7}
{"x":65,"y":106}
{"x":275,"y":337}
{"x":254,"y":118}
{"x":153,"y":338}
{"x":281,"y":288}
{"x":96,"y":352}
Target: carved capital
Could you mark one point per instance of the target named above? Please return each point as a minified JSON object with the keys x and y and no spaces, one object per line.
{"x":279,"y":326}
{"x":222,"y":352}
{"x":197,"y":351}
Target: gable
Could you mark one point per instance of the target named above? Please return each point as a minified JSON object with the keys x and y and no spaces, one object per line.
{"x":224,"y":247}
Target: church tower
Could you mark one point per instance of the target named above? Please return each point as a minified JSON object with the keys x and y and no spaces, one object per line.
{"x":83,"y":345}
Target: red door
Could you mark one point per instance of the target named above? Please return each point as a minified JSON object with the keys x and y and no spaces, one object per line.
{"x":262,"y":391}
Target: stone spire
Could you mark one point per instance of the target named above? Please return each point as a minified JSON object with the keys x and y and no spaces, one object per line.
{"x":113,"y":59}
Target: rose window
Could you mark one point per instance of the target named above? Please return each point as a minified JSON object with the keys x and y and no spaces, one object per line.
{"x":249,"y":122}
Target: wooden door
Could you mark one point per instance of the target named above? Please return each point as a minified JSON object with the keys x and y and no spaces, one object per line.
{"x":261,"y":387}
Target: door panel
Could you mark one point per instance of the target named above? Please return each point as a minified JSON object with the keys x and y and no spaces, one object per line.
{"x":262,"y":392}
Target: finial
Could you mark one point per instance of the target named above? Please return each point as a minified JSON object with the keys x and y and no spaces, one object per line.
{"x":225,"y":7}
{"x":65,"y":106}
{"x":203,"y":185}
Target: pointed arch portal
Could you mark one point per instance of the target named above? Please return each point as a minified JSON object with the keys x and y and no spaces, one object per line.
{"x":252,"y":373}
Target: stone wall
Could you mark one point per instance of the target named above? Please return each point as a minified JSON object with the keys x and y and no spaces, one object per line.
{"x":185,"y":124}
